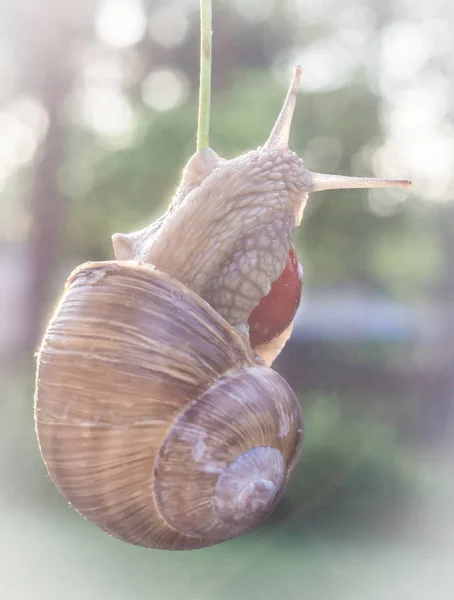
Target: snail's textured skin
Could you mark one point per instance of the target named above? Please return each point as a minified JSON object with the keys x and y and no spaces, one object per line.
{"x":228,"y":231}
{"x":152,"y":416}
{"x":260,"y":196}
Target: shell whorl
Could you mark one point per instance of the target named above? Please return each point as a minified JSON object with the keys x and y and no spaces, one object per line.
{"x":153,"y":418}
{"x":247,"y":490}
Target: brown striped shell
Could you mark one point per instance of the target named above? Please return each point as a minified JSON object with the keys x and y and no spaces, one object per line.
{"x":153,"y":418}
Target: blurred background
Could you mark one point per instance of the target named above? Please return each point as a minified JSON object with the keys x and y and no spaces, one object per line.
{"x":98,"y":109}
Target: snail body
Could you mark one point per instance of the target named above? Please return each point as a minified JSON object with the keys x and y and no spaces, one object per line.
{"x":227,"y":233}
{"x":157,"y":413}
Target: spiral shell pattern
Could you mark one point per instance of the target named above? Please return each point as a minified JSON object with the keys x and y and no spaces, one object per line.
{"x":153,"y":418}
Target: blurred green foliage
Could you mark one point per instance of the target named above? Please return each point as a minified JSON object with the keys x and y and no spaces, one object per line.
{"x":369,"y":512}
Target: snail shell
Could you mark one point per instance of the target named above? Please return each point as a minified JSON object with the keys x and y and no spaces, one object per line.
{"x":153,"y":417}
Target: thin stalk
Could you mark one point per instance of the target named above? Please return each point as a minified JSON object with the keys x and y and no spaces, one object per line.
{"x":203,"y":130}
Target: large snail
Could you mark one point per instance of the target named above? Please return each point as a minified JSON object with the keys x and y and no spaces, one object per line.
{"x":157,"y":413}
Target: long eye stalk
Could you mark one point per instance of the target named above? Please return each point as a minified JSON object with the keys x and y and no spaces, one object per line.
{"x":280,"y":137}
{"x":321,"y":182}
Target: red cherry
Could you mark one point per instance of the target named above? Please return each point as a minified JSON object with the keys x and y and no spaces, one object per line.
{"x":276,"y":311}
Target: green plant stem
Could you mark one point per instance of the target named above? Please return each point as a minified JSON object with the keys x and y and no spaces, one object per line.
{"x":203,"y":131}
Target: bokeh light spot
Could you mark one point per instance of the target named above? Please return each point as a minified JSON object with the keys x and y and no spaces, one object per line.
{"x":121,"y":23}
{"x":168,"y":26}
{"x":164,"y":89}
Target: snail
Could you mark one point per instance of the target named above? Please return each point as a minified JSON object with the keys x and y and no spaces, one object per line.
{"x":157,"y":412}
